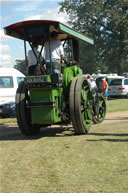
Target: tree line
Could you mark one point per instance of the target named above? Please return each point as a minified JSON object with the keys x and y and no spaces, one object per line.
{"x":106,"y":21}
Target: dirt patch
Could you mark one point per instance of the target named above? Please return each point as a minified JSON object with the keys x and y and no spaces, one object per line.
{"x":116,"y":116}
{"x":12,"y":132}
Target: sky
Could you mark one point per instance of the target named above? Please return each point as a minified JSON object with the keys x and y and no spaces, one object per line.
{"x":13,"y":11}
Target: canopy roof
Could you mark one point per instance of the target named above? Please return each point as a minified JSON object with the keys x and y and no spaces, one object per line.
{"x":39,"y":30}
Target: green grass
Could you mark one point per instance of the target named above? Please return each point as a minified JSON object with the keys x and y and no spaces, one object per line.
{"x":57,"y":161}
{"x":117,"y":105}
{"x":7,"y":120}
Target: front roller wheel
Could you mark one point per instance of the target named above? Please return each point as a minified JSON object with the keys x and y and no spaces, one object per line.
{"x":99,"y":115}
{"x":72,"y":104}
{"x":80,"y":99}
{"x":23,"y":113}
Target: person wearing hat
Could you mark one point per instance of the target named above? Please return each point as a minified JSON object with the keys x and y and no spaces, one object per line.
{"x":53,"y":52}
{"x":93,"y":84}
{"x":33,"y":66}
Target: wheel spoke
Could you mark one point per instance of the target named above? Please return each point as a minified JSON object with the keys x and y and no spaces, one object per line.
{"x":99,"y":117}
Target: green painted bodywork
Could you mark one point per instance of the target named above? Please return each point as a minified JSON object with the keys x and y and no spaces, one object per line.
{"x":48,"y":98}
{"x":69,"y":73}
{"x":74,"y":33}
{"x":48,"y":114}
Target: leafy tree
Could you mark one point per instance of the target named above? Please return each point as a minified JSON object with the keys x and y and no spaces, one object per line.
{"x":107,"y":22}
{"x":21,"y":66}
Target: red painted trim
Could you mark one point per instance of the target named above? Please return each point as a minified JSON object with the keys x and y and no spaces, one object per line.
{"x":30,"y":22}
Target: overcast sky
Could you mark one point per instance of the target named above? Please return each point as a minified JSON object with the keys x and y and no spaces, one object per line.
{"x":13,"y":11}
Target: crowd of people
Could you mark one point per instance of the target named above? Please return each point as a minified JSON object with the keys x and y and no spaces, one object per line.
{"x":103,"y":84}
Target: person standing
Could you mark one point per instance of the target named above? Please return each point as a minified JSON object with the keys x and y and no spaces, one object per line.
{"x":93,"y":83}
{"x":53,"y":53}
{"x":89,"y":81}
{"x":104,"y":86}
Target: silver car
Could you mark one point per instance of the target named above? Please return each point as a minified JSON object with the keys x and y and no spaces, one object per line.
{"x":118,"y":87}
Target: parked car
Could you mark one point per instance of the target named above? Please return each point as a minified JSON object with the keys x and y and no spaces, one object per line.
{"x":118,"y":87}
{"x":8,"y":110}
{"x":10,"y":78}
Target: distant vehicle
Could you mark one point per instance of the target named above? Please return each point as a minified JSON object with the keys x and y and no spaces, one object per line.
{"x":8,"y":110}
{"x":10,"y":78}
{"x":118,"y":87}
{"x":108,"y":77}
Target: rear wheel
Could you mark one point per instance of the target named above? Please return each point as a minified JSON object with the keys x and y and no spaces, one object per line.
{"x":80,"y":99}
{"x":23,"y":113}
{"x":99,"y":109}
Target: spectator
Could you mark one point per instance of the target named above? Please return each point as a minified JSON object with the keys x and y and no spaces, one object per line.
{"x":53,"y":53}
{"x":104,"y":86}
{"x":93,"y":84}
{"x":89,"y":81}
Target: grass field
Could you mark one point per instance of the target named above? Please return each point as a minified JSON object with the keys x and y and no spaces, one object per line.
{"x":58,"y":161}
{"x":117,"y":105}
